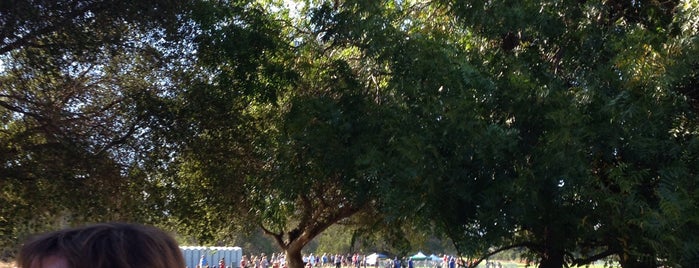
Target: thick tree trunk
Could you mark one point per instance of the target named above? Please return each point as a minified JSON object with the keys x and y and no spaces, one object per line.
{"x":552,"y":259}
{"x":293,"y":248}
{"x":293,"y":258}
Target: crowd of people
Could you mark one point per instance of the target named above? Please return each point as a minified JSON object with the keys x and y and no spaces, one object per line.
{"x":278,"y":260}
{"x":338,"y":261}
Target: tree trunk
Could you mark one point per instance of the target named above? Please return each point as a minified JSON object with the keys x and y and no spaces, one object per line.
{"x":552,"y":259}
{"x":293,"y":257}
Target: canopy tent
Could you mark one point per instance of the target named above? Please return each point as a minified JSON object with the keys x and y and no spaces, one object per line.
{"x":435,"y":258}
{"x":419,"y":256}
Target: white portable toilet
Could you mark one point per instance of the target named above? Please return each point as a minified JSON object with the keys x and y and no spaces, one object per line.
{"x":192,"y":255}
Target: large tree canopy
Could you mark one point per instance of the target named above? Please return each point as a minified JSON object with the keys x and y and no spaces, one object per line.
{"x":598,"y":153}
{"x":566,"y":128}
{"x":71,"y":76}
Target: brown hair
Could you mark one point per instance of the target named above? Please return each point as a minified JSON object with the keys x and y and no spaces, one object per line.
{"x":104,"y":245}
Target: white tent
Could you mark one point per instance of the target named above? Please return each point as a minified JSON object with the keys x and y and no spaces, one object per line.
{"x":419,"y":256}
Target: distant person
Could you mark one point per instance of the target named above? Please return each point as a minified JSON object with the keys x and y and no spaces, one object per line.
{"x":282,"y":260}
{"x":244,"y":262}
{"x":324,"y":259}
{"x":263,"y":261}
{"x":202,"y":262}
{"x":338,"y":261}
{"x":222,"y":263}
{"x":103,"y":245}
{"x":396,"y":262}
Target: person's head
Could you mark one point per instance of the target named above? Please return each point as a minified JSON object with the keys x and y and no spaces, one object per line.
{"x":104,"y":245}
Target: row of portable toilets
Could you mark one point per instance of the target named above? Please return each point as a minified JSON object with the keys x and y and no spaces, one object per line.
{"x":231,"y":256}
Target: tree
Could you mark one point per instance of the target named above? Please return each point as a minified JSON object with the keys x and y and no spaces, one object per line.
{"x":566,"y":128}
{"x":513,"y":119}
{"x":71,"y":75}
{"x":284,"y":147}
{"x":592,"y":107}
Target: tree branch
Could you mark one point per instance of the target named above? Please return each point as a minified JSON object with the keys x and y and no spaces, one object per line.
{"x":33,"y":35}
{"x":278,"y":237}
{"x":529,"y":245}
{"x":588,"y":260}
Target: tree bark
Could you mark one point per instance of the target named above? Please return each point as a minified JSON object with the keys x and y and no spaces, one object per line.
{"x":293,"y":249}
{"x":552,"y":259}
{"x":293,"y":258}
